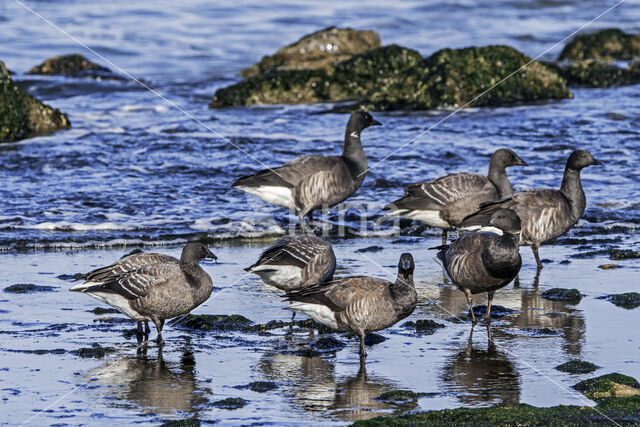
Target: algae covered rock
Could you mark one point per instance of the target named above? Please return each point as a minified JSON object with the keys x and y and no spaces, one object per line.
{"x":215,"y":322}
{"x":28,"y":288}
{"x":67,"y":64}
{"x":577,"y":367}
{"x":22,"y":115}
{"x":424,"y":326}
{"x":396,"y":78}
{"x":628,"y":300}
{"x":610,"y":43}
{"x":571,"y":296}
{"x":319,"y":50}
{"x":594,"y":73}
{"x":610,"y":385}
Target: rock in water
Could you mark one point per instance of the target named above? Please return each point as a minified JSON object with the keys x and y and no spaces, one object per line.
{"x":320,"y":50}
{"x":67,"y":64}
{"x":22,"y":115}
{"x":604,"y":44}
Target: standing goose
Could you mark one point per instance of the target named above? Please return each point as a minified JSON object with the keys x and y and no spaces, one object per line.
{"x":484,"y":261}
{"x":444,"y":202}
{"x":545,"y":214}
{"x":360,"y":304}
{"x":312,"y":182}
{"x":152,"y":287}
{"x":295,"y":262}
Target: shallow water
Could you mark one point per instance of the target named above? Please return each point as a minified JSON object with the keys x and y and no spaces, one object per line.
{"x":134,"y":171}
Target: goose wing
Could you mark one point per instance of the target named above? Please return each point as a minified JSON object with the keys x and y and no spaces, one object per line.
{"x":434,"y":194}
{"x":343,"y":294}
{"x":137,"y":283}
{"x":288,"y":175}
{"x":126,"y":264}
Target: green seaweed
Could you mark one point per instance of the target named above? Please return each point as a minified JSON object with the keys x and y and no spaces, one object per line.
{"x":624,"y":411}
{"x":604,"y":385}
{"x":399,"y":396}
{"x":593,"y":73}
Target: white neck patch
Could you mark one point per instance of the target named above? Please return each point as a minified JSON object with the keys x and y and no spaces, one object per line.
{"x":354,"y":135}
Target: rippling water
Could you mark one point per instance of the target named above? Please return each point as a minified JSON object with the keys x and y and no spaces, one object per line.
{"x":134,"y":170}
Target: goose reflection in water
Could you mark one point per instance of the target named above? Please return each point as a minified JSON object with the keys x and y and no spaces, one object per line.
{"x":313,"y":387}
{"x":482,"y":376}
{"x":151,"y":384}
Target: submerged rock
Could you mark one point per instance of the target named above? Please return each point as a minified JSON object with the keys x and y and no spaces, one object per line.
{"x":215,"y":322}
{"x":608,"y":266}
{"x":610,"y":43}
{"x":230,"y":403}
{"x":369,"y":249}
{"x":399,"y":396}
{"x":22,"y":115}
{"x":27,"y":288}
{"x":571,"y":296}
{"x":610,"y":385}
{"x":424,"y":326}
{"x":628,"y":300}
{"x":320,"y":50}
{"x":393,"y":78}
{"x":95,"y":351}
{"x":577,"y":367}
{"x":497,"y":311}
{"x":74,"y":64}
{"x":619,"y":254}
{"x":328,"y":344}
{"x":373,"y":339}
{"x":101,"y":310}
{"x":258,"y":386}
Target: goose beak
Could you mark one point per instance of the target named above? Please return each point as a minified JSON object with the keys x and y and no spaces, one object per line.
{"x":596,"y":162}
{"x":212,"y":256}
{"x":376,"y":123}
{"x":520,"y":162}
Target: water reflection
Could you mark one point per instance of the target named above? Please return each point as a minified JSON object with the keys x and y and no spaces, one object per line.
{"x":152,"y":384}
{"x":313,"y":387}
{"x":482,"y":375}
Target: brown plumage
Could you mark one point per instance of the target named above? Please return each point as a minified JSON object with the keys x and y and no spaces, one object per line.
{"x":444,"y":202}
{"x":360,"y":304}
{"x":545,"y":214}
{"x":152,"y":287}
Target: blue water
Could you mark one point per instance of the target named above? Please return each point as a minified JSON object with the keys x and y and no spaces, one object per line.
{"x":136,"y":171}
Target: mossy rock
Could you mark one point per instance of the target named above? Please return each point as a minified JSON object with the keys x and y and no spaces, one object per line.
{"x":189,"y":422}
{"x":624,"y":411}
{"x":67,"y":64}
{"x":571,"y":296}
{"x":101,"y":310}
{"x":230,"y":403}
{"x":328,"y":344}
{"x":320,"y":50}
{"x":610,"y":385}
{"x":620,"y":254}
{"x":457,"y":76}
{"x":577,"y":367}
{"x":592,"y":73}
{"x":22,"y":115}
{"x":28,"y":288}
{"x":610,"y":43}
{"x":215,"y":322}
{"x":259,"y":386}
{"x":628,"y":300}
{"x":96,"y":351}
{"x":608,"y":266}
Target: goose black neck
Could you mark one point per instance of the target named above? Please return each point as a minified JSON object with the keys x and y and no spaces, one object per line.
{"x":354,"y":154}
{"x":501,"y":256}
{"x":498,"y":176}
{"x":571,"y":188}
{"x":404,"y":295}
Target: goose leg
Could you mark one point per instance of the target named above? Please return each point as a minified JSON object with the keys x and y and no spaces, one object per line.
{"x":487,"y":315}
{"x":159,"y":324}
{"x":467,"y":292}
{"x":444,"y":237}
{"x":303,"y":226}
{"x":293,"y":316}
{"x":534,"y":248}
{"x":147,"y":329}
{"x":139,"y":332}
{"x":363,"y":351}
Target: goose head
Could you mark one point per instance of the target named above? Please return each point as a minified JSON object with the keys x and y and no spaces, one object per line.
{"x":580,"y":159}
{"x":196,"y":251}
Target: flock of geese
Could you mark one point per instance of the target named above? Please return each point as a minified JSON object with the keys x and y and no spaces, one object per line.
{"x":493,"y":220}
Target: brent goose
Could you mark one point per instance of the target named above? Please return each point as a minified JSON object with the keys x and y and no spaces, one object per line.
{"x":295,"y":262}
{"x":152,"y":287}
{"x":359,"y":304}
{"x":484,"y":261}
{"x":545,"y":214}
{"x":312,"y":182}
{"x":444,"y":202}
